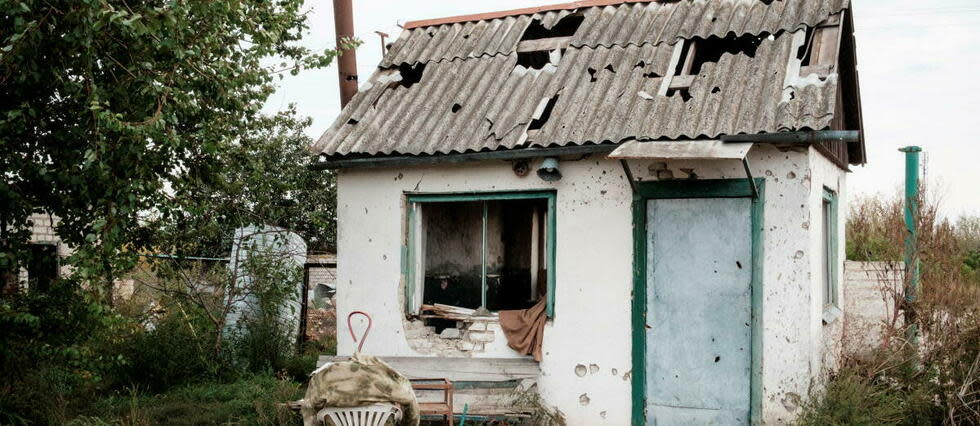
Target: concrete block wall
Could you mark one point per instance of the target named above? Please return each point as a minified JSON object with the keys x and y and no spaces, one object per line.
{"x":871,"y":291}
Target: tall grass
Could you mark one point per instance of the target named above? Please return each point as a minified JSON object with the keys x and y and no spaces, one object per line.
{"x":928,"y":377}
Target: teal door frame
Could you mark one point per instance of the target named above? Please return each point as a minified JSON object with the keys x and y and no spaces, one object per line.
{"x":717,"y":188}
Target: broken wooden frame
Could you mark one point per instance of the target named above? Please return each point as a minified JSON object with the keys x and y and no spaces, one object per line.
{"x":823,"y":47}
{"x":413,"y":253}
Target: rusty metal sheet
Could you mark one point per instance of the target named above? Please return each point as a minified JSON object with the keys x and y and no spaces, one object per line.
{"x":686,"y":150}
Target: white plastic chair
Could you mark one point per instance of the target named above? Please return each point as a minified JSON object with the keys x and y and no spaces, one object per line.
{"x":369,"y":415}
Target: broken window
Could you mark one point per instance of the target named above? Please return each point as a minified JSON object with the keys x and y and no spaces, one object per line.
{"x":484,"y":253}
{"x":42,"y":268}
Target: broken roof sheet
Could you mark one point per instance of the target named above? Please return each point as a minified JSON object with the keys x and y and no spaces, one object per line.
{"x":472,"y":96}
{"x":620,"y":25}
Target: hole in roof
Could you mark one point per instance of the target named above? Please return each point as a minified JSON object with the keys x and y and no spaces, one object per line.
{"x":716,"y":89}
{"x":610,"y":68}
{"x":352,"y":122}
{"x":712,"y":48}
{"x":683,"y":93}
{"x":466,"y":36}
{"x":534,"y":60}
{"x":592,"y":77}
{"x":640,"y":64}
{"x":456,"y":108}
{"x":545,"y":115}
{"x":805,"y":50}
{"x":566,"y":27}
{"x":411,"y":74}
{"x":651,"y":74}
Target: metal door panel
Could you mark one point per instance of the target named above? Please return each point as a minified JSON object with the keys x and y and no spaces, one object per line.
{"x":699,"y":308}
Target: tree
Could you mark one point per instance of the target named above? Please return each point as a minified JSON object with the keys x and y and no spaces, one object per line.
{"x":115,"y":114}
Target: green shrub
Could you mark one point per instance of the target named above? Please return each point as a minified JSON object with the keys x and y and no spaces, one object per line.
{"x":851,"y":398}
{"x":174,"y":352}
{"x":933,"y":379}
{"x":45,"y":361}
{"x":252,"y":400}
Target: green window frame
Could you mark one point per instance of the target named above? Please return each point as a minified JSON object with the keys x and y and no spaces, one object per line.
{"x":409,"y":256}
{"x":829,"y":240}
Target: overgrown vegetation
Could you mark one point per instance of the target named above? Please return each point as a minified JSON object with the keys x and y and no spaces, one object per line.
{"x":140,"y":126}
{"x":249,"y":401}
{"x":931,"y":376}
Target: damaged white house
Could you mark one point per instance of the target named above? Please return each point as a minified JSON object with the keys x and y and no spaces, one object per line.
{"x":651,"y":191}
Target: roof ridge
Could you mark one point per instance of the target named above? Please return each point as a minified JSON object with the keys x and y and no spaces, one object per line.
{"x":513,"y":12}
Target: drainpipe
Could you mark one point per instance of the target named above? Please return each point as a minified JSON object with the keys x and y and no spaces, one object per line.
{"x":911,"y":237}
{"x":343,"y":18}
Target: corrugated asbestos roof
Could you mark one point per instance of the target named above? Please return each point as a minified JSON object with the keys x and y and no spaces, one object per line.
{"x":470,"y":98}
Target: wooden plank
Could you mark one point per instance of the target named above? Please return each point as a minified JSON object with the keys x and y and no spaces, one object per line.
{"x":825,"y":43}
{"x":675,"y":57}
{"x":457,"y":369}
{"x":692,"y":50}
{"x":543,"y":44}
{"x":833,"y":20}
{"x":821,"y":70}
{"x":681,"y":81}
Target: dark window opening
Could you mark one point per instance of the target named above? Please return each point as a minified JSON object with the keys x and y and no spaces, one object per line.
{"x":712,"y":48}
{"x":538,"y":122}
{"x":411,"y":74}
{"x":488,"y":254}
{"x":42,"y":267}
{"x":566,"y":27}
{"x":534,"y":60}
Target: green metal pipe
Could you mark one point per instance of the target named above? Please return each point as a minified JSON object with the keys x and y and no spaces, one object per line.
{"x":911,"y":235}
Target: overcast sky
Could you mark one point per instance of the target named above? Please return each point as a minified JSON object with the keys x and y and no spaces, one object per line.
{"x":917,"y":60}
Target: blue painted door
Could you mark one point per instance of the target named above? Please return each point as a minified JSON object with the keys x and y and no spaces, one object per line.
{"x":699,"y":311}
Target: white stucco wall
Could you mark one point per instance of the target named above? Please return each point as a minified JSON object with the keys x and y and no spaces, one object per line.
{"x":825,"y":338}
{"x":592,"y":325}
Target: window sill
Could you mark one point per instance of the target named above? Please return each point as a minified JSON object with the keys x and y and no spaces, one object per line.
{"x":831,"y":313}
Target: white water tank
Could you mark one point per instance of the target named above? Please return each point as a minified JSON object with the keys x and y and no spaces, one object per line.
{"x":282,"y":246}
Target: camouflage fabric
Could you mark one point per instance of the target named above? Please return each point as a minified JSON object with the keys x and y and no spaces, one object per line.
{"x":364,"y":380}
